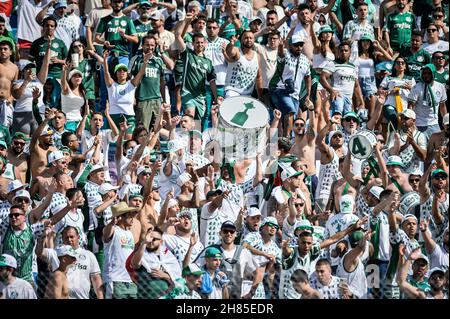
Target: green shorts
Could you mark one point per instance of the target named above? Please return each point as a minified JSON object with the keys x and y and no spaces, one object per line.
{"x":121,"y":290}
{"x":190,"y":101}
{"x":118,"y":118}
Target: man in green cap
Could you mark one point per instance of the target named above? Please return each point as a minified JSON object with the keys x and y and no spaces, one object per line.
{"x":8,"y":74}
{"x":217,"y":285}
{"x":427,"y":99}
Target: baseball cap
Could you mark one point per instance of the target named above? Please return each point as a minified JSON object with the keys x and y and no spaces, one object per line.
{"x":228,"y":225}
{"x":73,"y":72}
{"x":367,"y":37}
{"x":65,"y":149}
{"x":376,"y":191}
{"x":435,"y":270}
{"x":196,"y":133}
{"x":417,"y":172}
{"x":394,"y":160}
{"x":296,"y":39}
{"x":15,"y":185}
{"x":347,"y":204}
{"x":213,"y":252}
{"x":9,"y":41}
{"x":183,"y":179}
{"x":445,"y":119}
{"x":289,"y":172}
{"x":172,"y":202}
{"x":3,"y":143}
{"x":54,"y":156}
{"x":192,"y":270}
{"x":143,"y":169}
{"x":351,"y":114}
{"x":424,"y":257}
{"x":20,"y":136}
{"x":253,"y":19}
{"x":355,"y":237}
{"x":157,"y":15}
{"x":196,"y":4}
{"x":106,"y":187}
{"x":144,"y":3}
{"x":333,"y":133}
{"x":408,"y":216}
{"x":253,"y":211}
{"x":60,"y":4}
{"x":184,"y":213}
{"x":409,"y":114}
{"x":385,"y":66}
{"x":47,"y":131}
{"x":438,"y":171}
{"x":131,"y":196}
{"x":303,"y":225}
{"x":175,"y":145}
{"x":97,"y":167}
{"x":213,"y":193}
{"x":23,"y":194}
{"x":8,"y":261}
{"x":66,"y":250}
{"x":269,"y":220}
{"x":325,"y":28}
{"x":120,"y":66}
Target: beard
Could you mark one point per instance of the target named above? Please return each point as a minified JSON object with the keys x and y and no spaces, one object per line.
{"x":145,"y":16}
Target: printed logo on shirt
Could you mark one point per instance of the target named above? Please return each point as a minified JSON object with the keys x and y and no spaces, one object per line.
{"x":420,"y":58}
{"x":123,"y":23}
{"x":123,"y":92}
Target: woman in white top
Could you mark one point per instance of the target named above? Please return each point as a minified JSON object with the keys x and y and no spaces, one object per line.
{"x":121,"y":91}
{"x":73,"y":96}
{"x":323,"y":53}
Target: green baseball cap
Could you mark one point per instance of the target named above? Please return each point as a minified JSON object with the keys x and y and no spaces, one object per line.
{"x":213,"y":252}
{"x":192,"y":270}
{"x":438,"y":171}
{"x":65,"y":149}
{"x":120,"y":66}
{"x":351,"y":114}
{"x":9,"y":41}
{"x":135,"y":195}
{"x":367,"y":37}
{"x":3,"y":143}
{"x":144,"y":3}
{"x":325,"y":28}
{"x":355,"y":237}
{"x":21,"y":136}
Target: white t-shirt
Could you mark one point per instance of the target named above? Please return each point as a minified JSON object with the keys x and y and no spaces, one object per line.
{"x":27,"y":27}
{"x":343,"y":75}
{"x":268,"y":62}
{"x":25,"y":103}
{"x":78,"y":277}
{"x":179,"y":247}
{"x":71,"y":219}
{"x":121,"y":98}
{"x":18,"y":289}
{"x":210,"y":224}
{"x":426,"y":114}
{"x":117,"y":250}
{"x":439,"y":257}
{"x":213,"y":51}
{"x":438,"y":46}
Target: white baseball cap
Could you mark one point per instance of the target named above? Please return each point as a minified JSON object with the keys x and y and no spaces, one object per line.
{"x":143,"y":169}
{"x":15,"y":185}
{"x":289,"y":172}
{"x":97,"y":167}
{"x":394,"y":160}
{"x":175,"y":145}
{"x":417,"y":172}
{"x":347,"y":204}
{"x":408,"y":216}
{"x":8,"y":261}
{"x":409,"y":114}
{"x":253,"y":211}
{"x":296,"y":38}
{"x":445,"y":119}
{"x":183,"y":179}
{"x":22,"y":193}
{"x":172,"y":202}
{"x":144,"y":154}
{"x":54,"y":156}
{"x":106,"y":187}
{"x":73,"y":72}
{"x":47,"y":131}
{"x":376,"y":191}
{"x":66,"y":250}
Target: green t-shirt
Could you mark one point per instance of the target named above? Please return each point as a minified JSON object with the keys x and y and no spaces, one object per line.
{"x":230,"y":29}
{"x":416,"y":61}
{"x":87,"y":66}
{"x":442,"y":77}
{"x":4,"y":134}
{"x":196,"y":69}
{"x":400,"y":27}
{"x":141,"y":31}
{"x":424,"y":285}
{"x":149,"y":87}
{"x":58,"y":49}
{"x":110,"y":25}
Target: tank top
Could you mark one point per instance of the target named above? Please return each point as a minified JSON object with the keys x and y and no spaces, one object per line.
{"x":356,"y":279}
{"x":71,"y":105}
{"x":365,"y":67}
{"x":241,"y":75}
{"x":117,"y":250}
{"x":328,"y":174}
{"x":319,"y":61}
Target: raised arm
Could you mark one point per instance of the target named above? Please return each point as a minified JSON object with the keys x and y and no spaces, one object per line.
{"x":138,"y":78}
{"x":41,"y":15}
{"x":107,"y":77}
{"x":430,"y":244}
{"x":351,"y":259}
{"x":108,"y":231}
{"x":382,"y":165}
{"x":112,"y":125}
{"x":43,"y":72}
{"x":232,"y":52}
{"x":322,"y":146}
{"x":64,"y":84}
{"x":402,"y":273}
{"x":49,"y":115}
{"x":338,"y":236}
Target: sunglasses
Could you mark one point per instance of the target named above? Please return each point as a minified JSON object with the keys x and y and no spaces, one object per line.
{"x":299,"y":204}
{"x":438,"y":16}
{"x":440,"y":177}
{"x":228,"y":231}
{"x":15,"y":215}
{"x":299,"y":124}
{"x":439,"y":57}
{"x":337,"y":136}
{"x":431,"y":30}
{"x":21,"y":200}
{"x":414,"y":180}
{"x":350,"y":119}
{"x":19,"y":143}
{"x":272,"y":225}
{"x":300,"y":44}
{"x":437,"y":277}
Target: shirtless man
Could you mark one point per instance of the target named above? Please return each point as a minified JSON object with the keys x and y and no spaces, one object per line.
{"x":9,"y":73}
{"x":339,"y":188}
{"x":304,"y":144}
{"x":42,"y":144}
{"x":57,"y":162}
{"x":17,"y":157}
{"x":391,"y":173}
{"x":329,"y":161}
{"x":136,"y":200}
{"x":57,"y":287}
{"x":439,"y":141}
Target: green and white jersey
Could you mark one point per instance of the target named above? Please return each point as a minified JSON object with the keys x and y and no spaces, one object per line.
{"x":149,"y":87}
{"x":18,"y":289}
{"x":241,"y":75}
{"x":330,"y":291}
{"x":408,"y":154}
{"x":213,"y":51}
{"x":379,"y":225}
{"x":427,"y":212}
{"x":179,"y":246}
{"x":230,"y":29}
{"x":196,"y":70}
{"x":291,"y":67}
{"x":400,"y":27}
{"x":94,"y":199}
{"x":391,"y":82}
{"x":416,"y":61}
{"x":426,"y":112}
{"x":59,"y":202}
{"x":58,"y":49}
{"x":343,"y":76}
{"x":354,"y":30}
{"x":109,"y":26}
{"x":442,"y":77}
{"x":20,"y":245}
{"x":291,"y":264}
{"x":273,"y":249}
{"x":88,"y":67}
{"x":141,"y":31}
{"x":210,"y":224}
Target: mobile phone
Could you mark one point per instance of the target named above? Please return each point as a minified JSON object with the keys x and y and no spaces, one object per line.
{"x":343,"y":282}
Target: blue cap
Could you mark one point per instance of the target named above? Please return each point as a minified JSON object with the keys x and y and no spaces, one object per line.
{"x":60,"y":4}
{"x":384,"y":66}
